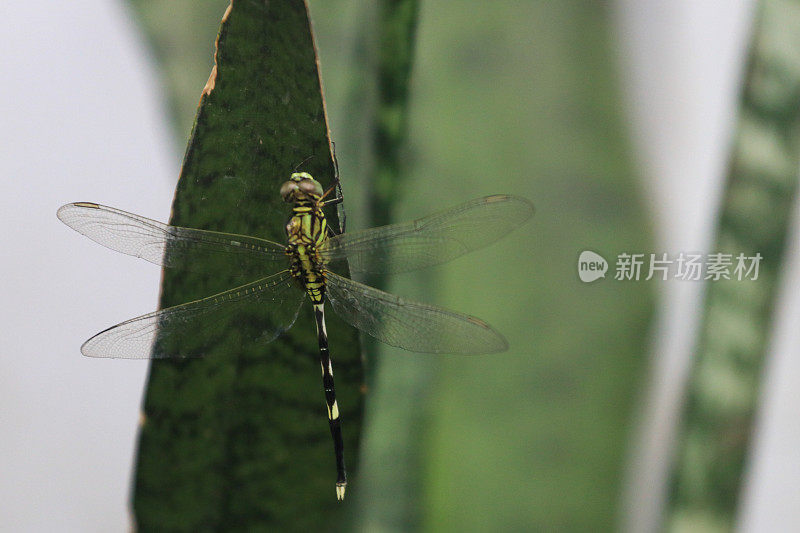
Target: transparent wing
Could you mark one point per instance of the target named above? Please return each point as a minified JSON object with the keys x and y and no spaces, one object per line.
{"x":258,"y":311}
{"x":173,"y":246}
{"x":410,"y":325}
{"x":431,"y":240}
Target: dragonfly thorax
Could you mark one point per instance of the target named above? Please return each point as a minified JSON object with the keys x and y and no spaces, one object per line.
{"x":306,"y":232}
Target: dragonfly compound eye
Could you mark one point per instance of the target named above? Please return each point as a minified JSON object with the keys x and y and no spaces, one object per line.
{"x":287,"y":189}
{"x":311,"y":187}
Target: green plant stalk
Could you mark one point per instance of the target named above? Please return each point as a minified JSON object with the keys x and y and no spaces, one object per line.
{"x":761,"y":187}
{"x":239,"y":440}
{"x":399,"y":388}
{"x":398,"y":23}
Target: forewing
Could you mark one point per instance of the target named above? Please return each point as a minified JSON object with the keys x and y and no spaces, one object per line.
{"x":410,"y":325}
{"x":431,"y":240}
{"x":258,"y":311}
{"x":173,"y":246}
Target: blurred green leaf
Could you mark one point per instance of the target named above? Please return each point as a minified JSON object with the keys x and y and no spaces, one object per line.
{"x":506,"y":97}
{"x":239,"y":440}
{"x":181,"y":37}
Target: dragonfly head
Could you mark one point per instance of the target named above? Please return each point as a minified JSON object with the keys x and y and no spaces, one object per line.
{"x":300,"y":185}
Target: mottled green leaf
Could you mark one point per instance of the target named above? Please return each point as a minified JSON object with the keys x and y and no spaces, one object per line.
{"x":755,"y":216}
{"x":239,"y":439}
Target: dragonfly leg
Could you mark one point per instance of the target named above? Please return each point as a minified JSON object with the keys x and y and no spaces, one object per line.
{"x":337,"y":187}
{"x":331,"y":231}
{"x":337,"y":199}
{"x":334,"y":421}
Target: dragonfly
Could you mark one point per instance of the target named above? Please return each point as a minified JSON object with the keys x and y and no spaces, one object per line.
{"x":303,"y":268}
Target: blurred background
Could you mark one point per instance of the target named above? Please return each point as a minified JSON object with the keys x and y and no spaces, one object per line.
{"x":616,"y":122}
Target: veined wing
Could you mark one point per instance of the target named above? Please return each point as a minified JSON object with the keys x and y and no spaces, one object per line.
{"x":431,"y":240}
{"x":410,"y":325}
{"x":260,"y":311}
{"x":173,"y":246}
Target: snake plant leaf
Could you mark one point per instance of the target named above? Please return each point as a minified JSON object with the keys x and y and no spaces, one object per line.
{"x":239,"y":439}
{"x":755,"y":220}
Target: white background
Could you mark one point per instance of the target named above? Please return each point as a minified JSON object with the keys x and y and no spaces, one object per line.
{"x":82,"y":120}
{"x":85,"y":121}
